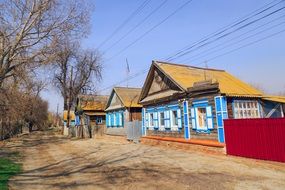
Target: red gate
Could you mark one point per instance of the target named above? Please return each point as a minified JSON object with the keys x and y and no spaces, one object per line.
{"x":256,"y":138}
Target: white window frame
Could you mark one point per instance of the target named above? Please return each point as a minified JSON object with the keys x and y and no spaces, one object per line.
{"x":115,"y":119}
{"x":150,"y":120}
{"x":172,"y":119}
{"x":159,"y":119}
{"x":120,"y":119}
{"x":99,"y":119}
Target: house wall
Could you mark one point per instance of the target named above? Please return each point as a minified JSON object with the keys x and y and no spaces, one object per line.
{"x":135,"y":114}
{"x":116,"y":118}
{"x":204,"y":101}
{"x":231,"y":108}
{"x":159,"y":120}
{"x":207,"y":100}
{"x":213,"y":118}
{"x":115,"y":121}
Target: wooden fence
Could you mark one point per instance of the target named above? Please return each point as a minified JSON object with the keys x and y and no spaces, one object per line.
{"x":256,"y":138}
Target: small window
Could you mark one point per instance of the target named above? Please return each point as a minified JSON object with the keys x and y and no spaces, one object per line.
{"x":174,"y":118}
{"x":99,"y":120}
{"x":161,"y":114}
{"x":246,"y":109}
{"x":151,"y":120}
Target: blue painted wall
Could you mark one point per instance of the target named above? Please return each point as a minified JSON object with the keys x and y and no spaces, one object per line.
{"x":167,"y":111}
{"x":115,"y":118}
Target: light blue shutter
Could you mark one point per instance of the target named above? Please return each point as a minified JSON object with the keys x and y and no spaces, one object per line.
{"x":167,"y":119}
{"x":179,"y":118}
{"x":111,"y":119}
{"x":107,"y":120}
{"x":209,"y":117}
{"x":117,"y":119}
{"x":155,"y":119}
{"x":122,"y":118}
{"x":221,"y":113}
{"x":193,"y":116}
{"x":146,"y":120}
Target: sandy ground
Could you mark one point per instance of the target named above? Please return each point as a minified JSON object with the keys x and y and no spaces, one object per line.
{"x":54,"y":162}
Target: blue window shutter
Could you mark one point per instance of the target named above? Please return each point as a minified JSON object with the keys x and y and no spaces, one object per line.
{"x":107,"y":120}
{"x":179,"y":118}
{"x":146,"y":119}
{"x":112,"y":120}
{"x":155,"y":119}
{"x":167,"y":119}
{"x":118,"y":119}
{"x":221,"y":113}
{"x":193,"y":118}
{"x":209,"y":115}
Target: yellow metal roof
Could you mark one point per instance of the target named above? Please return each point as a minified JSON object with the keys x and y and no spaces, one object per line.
{"x":185,"y":76}
{"x":280,"y":99}
{"x":93,"y":102}
{"x":128,"y":96}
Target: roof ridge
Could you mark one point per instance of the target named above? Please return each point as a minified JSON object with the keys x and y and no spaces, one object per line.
{"x":127,"y":87}
{"x":188,"y":66}
{"x":91,"y":95}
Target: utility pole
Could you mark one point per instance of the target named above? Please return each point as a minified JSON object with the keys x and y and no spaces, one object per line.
{"x":128,"y":71}
{"x":57,"y":118}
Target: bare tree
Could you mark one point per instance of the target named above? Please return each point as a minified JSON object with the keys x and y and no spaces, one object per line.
{"x":21,"y":105}
{"x":28,"y":29}
{"x":76,"y":70}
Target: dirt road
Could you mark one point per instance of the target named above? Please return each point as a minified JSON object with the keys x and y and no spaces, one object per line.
{"x":54,"y":162}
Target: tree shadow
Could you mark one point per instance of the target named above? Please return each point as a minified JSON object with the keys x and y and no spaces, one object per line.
{"x":119,"y":169}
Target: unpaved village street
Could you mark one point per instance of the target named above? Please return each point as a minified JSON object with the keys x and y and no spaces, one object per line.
{"x":52,"y":161}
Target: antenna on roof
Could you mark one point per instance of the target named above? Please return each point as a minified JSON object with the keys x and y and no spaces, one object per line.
{"x":127,"y":71}
{"x":206,"y":67}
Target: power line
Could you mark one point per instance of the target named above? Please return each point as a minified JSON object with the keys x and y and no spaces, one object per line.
{"x":226,"y":53}
{"x":237,"y":37}
{"x":225,"y":35}
{"x":125,"y":80}
{"x":243,"y":46}
{"x":144,"y":71}
{"x":151,"y":29}
{"x":137,"y":25}
{"x":226,"y":28}
{"x":130,"y":17}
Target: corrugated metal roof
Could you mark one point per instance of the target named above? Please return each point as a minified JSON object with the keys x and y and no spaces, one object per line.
{"x":93,"y":102}
{"x":280,"y":99}
{"x":128,"y":96}
{"x":91,"y":113}
{"x":185,"y":76}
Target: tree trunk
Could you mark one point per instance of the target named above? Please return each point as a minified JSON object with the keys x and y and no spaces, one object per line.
{"x":30,"y":127}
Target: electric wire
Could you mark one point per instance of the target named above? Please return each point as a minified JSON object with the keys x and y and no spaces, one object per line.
{"x":129,"y":18}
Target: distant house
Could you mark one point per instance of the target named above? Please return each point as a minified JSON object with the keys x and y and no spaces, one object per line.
{"x":122,"y":107}
{"x":91,"y":110}
{"x":71,"y":118}
{"x":191,"y":102}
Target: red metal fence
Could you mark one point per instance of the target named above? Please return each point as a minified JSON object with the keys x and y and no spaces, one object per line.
{"x":256,"y":138}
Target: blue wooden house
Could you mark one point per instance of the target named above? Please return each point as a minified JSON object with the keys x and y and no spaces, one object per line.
{"x":122,"y":107}
{"x":191,"y":102}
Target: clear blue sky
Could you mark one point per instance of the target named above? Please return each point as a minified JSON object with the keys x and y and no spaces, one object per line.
{"x":262,"y":64}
